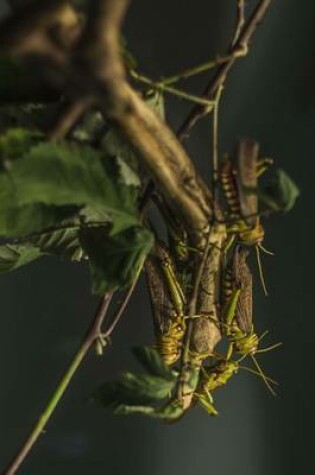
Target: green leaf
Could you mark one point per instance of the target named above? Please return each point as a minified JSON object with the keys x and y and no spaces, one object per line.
{"x":13,"y":256}
{"x":19,"y":221}
{"x":115,"y":145}
{"x":171,"y":411}
{"x":155,"y":100}
{"x":135,"y":393}
{"x":147,"y":388}
{"x":127,"y":410}
{"x":153,"y":363}
{"x":127,"y":174}
{"x":63,"y":241}
{"x":134,"y":389}
{"x":89,"y":128}
{"x":54,"y":174}
{"x":17,"y":142}
{"x":282,"y":192}
{"x":115,"y":261}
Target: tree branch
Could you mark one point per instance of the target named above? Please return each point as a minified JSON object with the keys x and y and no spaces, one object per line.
{"x":94,"y":67}
{"x":69,"y":117}
{"x":154,"y":142}
{"x":39,"y":29}
{"x":202,"y":333}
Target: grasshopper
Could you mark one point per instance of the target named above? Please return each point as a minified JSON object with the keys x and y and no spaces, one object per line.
{"x":177,"y":235}
{"x":239,"y":181}
{"x":238,"y":310}
{"x":216,"y":376}
{"x":212,"y":378}
{"x":168,"y":302}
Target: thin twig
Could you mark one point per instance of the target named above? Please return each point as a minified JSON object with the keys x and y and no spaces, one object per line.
{"x":245,"y":36}
{"x":161,"y":86}
{"x":92,"y":335}
{"x":240,"y":20}
{"x":69,"y":117}
{"x":239,"y":49}
{"x":215,"y":145}
{"x":199,"y":267}
{"x":120,"y":310}
{"x":202,"y":68}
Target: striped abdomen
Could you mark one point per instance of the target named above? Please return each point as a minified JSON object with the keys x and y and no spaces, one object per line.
{"x":229,"y":188}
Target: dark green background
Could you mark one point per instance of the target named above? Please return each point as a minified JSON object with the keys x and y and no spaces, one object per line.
{"x":46,"y":307}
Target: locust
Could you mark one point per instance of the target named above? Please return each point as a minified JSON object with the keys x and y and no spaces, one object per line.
{"x":168,"y":304}
{"x":176,"y":233}
{"x":239,"y":181}
{"x":237,"y":303}
{"x":217,"y":375}
{"x":211,"y":379}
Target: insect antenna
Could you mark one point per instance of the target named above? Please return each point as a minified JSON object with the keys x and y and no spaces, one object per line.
{"x":260,"y":270}
{"x":262,"y":374}
{"x":269,"y":348}
{"x":263,"y":335}
{"x":263,"y":165}
{"x":266,"y":251}
{"x":252,"y":371}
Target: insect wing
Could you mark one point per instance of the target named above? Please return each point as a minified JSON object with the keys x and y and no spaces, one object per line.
{"x":161,"y":305}
{"x":246,"y":169}
{"x":244,"y":281}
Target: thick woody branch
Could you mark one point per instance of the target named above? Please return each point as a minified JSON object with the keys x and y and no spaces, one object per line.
{"x":156,"y":145}
{"x":203,"y":329}
{"x":41,"y":28}
{"x":93,"y":67}
{"x":168,"y":163}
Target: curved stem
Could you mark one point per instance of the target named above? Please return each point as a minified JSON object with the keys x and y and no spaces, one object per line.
{"x":92,"y":335}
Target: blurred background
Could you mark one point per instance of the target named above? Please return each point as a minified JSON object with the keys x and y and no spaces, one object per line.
{"x":46,"y":307}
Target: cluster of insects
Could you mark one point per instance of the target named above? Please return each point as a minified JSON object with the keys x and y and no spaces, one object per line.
{"x":169,"y":282}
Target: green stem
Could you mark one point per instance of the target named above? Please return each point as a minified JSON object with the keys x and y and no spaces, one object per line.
{"x":204,"y":67}
{"x":91,"y":337}
{"x":172,"y":90}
